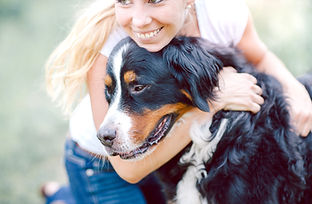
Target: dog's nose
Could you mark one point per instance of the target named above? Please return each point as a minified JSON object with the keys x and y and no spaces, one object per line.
{"x":107,"y":136}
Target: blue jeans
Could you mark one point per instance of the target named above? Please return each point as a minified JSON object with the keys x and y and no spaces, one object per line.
{"x":93,"y":180}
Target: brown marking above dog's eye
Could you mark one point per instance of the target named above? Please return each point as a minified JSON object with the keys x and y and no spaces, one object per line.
{"x":108,"y":81}
{"x":186,"y":94}
{"x":129,"y":76}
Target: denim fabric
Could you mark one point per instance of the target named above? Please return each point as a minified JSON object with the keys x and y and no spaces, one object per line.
{"x":63,"y":195}
{"x":94,"y":181}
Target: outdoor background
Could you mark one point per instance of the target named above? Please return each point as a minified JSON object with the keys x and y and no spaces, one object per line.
{"x":32,"y":129}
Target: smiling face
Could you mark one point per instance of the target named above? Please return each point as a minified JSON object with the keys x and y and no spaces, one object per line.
{"x":152,"y":24}
{"x":144,"y":101}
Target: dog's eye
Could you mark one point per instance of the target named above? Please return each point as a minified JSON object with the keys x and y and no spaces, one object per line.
{"x":138,"y":88}
{"x":108,"y":95}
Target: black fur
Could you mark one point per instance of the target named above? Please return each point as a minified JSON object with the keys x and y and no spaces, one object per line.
{"x":152,"y":71}
{"x":259,"y":159}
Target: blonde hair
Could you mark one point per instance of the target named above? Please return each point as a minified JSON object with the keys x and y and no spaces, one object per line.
{"x":68,"y":64}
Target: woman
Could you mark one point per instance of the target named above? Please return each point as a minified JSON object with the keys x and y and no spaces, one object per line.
{"x":152,"y":24}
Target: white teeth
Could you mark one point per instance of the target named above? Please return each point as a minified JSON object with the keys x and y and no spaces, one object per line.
{"x":147,"y":35}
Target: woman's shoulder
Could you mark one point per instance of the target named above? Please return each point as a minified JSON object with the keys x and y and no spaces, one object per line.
{"x":222,"y":20}
{"x":223,"y":6}
{"x":115,"y":36}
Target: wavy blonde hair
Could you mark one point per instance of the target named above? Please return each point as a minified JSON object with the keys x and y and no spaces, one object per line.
{"x":68,"y":64}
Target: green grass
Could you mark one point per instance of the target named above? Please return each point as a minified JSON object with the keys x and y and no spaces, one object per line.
{"x":33,"y":130}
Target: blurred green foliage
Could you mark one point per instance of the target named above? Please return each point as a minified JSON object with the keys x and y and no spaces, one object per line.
{"x":286,"y":26}
{"x":33,"y":130}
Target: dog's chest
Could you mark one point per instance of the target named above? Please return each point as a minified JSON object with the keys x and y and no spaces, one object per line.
{"x":183,"y":172}
{"x":201,"y":152}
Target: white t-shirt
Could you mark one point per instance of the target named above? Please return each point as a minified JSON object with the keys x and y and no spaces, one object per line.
{"x":220,"y":21}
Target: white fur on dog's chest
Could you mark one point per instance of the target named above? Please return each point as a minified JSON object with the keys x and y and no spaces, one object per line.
{"x":201,"y":151}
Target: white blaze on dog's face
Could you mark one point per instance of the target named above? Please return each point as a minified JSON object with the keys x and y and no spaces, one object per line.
{"x":115,"y":118}
{"x":147,"y":92}
{"x":144,"y":102}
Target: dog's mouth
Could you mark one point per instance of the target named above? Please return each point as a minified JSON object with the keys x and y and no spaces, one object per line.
{"x":159,"y":132}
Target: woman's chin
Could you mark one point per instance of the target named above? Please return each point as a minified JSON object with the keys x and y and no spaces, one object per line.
{"x":152,"y":46}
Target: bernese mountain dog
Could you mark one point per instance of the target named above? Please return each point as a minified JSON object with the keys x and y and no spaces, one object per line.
{"x":236,"y":158}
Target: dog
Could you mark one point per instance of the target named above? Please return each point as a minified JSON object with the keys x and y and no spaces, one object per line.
{"x":238,"y":157}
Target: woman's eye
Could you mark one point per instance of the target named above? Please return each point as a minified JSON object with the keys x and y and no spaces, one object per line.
{"x":154,"y":1}
{"x":123,"y":2}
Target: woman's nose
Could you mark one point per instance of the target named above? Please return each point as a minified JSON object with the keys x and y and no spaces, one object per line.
{"x":141,"y":17}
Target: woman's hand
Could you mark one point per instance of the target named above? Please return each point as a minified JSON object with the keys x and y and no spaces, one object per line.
{"x":265,"y":61}
{"x":300,"y":108}
{"x":237,"y":91}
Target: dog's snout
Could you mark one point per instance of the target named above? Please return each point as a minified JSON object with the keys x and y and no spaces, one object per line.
{"x":107,"y":136}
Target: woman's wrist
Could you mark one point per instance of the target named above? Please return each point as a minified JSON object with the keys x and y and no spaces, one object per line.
{"x":216,"y":105}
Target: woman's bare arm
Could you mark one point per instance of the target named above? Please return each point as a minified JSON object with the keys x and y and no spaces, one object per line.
{"x":298,"y":97}
{"x":96,"y":87}
{"x":172,"y":144}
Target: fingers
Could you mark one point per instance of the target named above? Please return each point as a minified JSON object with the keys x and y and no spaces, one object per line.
{"x":255,"y":108}
{"x":251,"y":107}
{"x":254,"y":105}
{"x":246,"y":102}
{"x":257,"y":89}
{"x":302,"y":121}
{"x":258,"y":99}
{"x":308,"y":128}
{"x":255,"y":97}
{"x":239,"y":91}
{"x":307,"y":122}
{"x":250,"y":78}
{"x":300,"y":105}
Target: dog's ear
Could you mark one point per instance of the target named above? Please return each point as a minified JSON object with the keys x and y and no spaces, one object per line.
{"x":194,"y":67}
